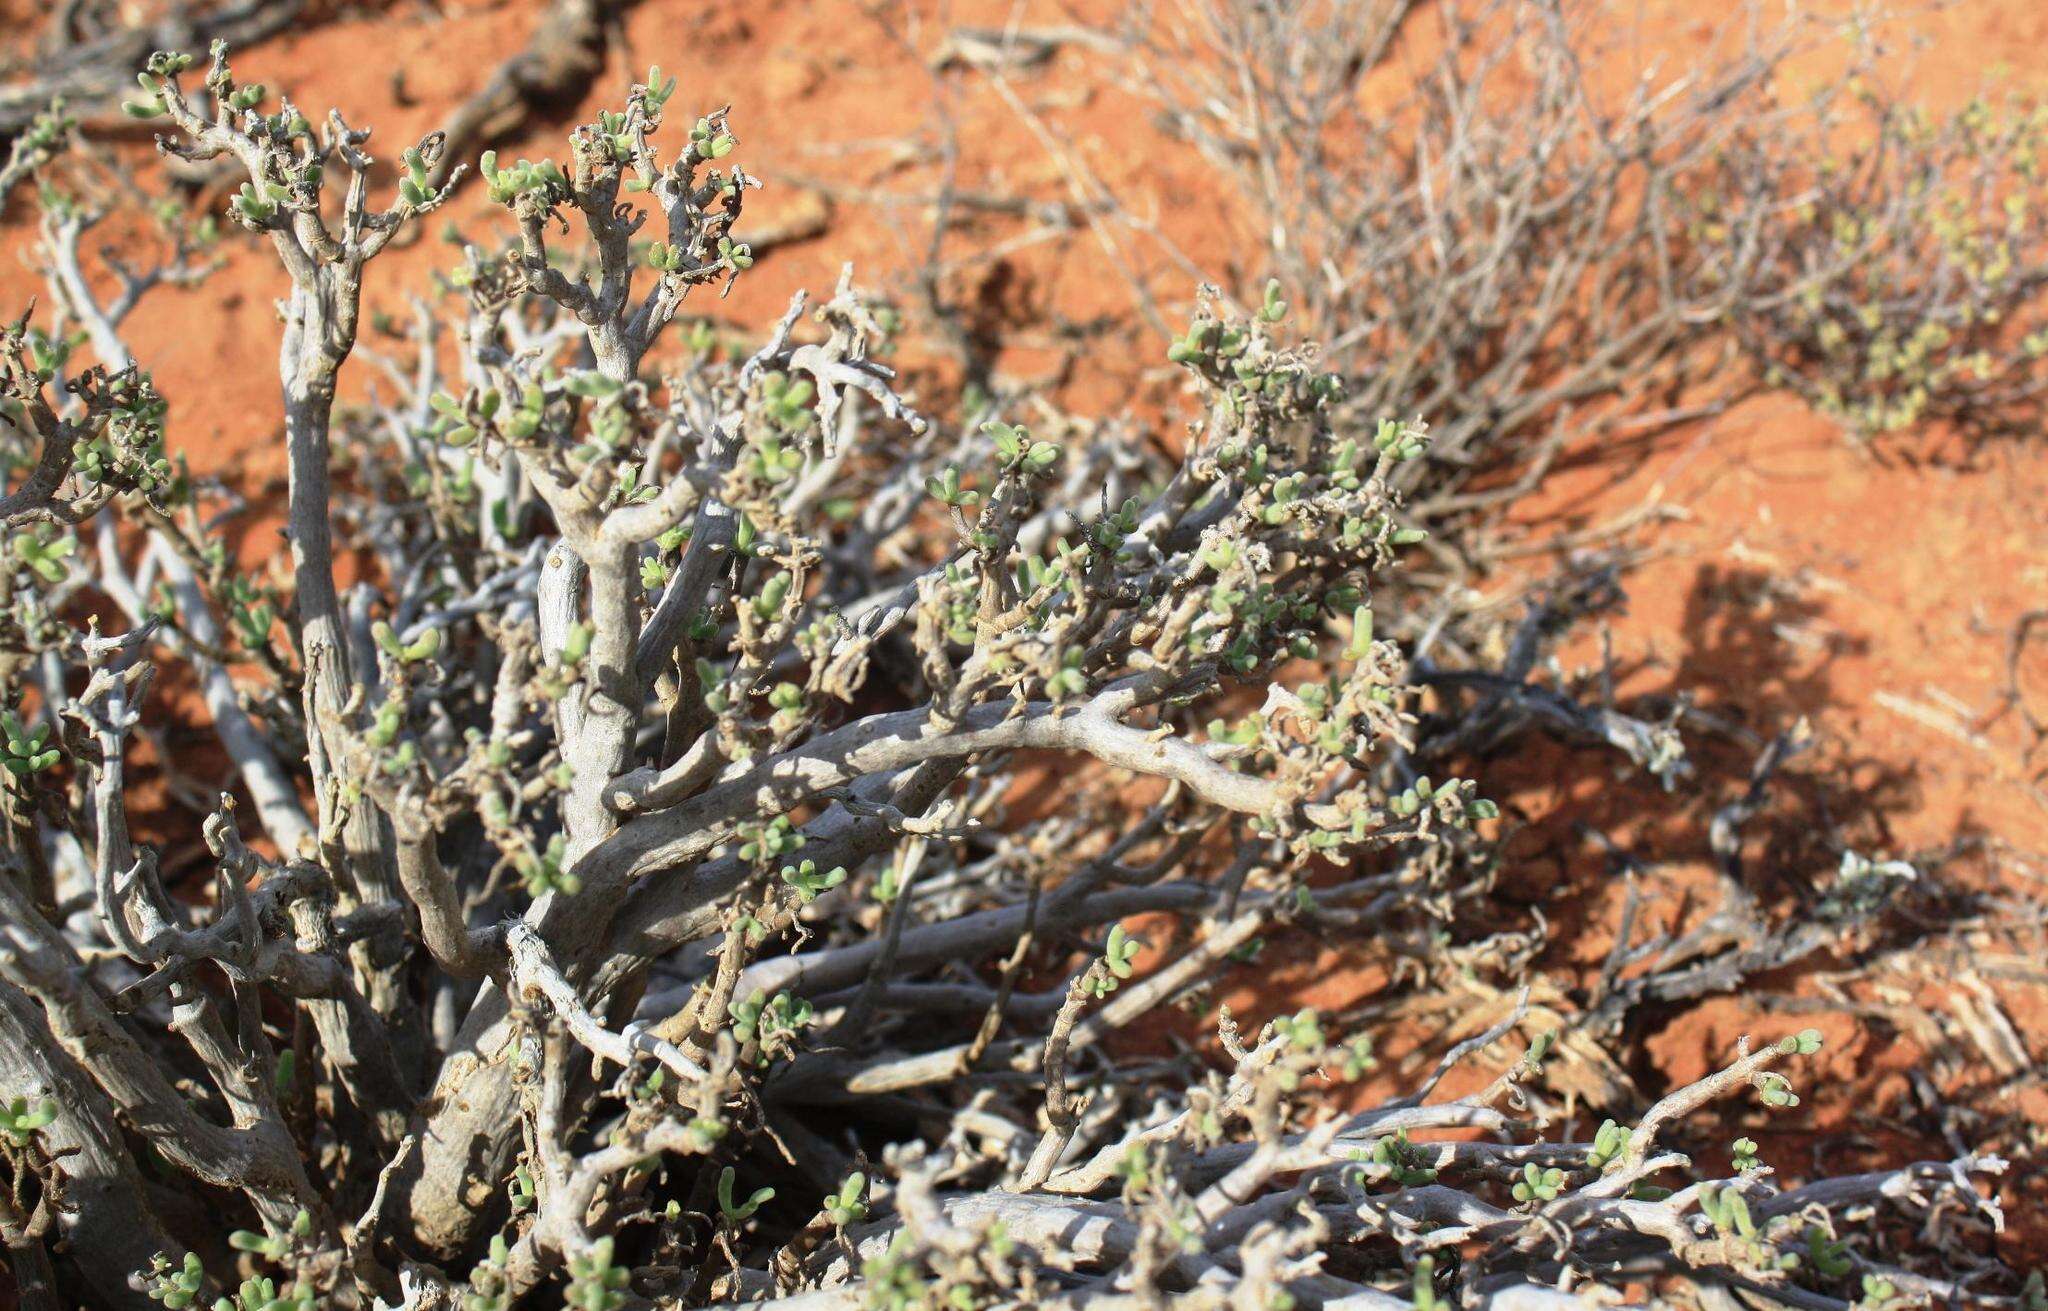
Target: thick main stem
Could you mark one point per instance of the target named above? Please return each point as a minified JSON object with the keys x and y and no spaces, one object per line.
{"x":319,"y":333}
{"x":467,"y":1149}
{"x":107,"y":1223}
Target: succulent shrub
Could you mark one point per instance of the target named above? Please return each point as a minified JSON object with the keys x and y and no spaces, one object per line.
{"x":645,"y":847}
{"x":1480,"y":227}
{"x":1500,"y":216}
{"x":1903,"y":281}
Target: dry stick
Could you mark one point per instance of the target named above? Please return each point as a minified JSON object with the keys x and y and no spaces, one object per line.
{"x":559,"y":62}
{"x":1062,"y":1109}
{"x":2015,"y":696}
{"x":443,"y":914}
{"x":992,"y":1019}
{"x":1684,"y":1101}
{"x":1016,"y":47}
{"x":91,"y":74}
{"x":910,"y":858}
{"x":534,"y":970}
{"x":699,"y":1022}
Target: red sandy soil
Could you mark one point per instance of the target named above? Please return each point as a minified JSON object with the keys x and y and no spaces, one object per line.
{"x":1795,"y":573}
